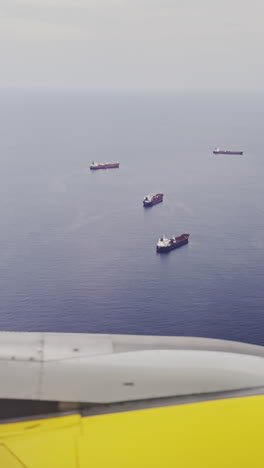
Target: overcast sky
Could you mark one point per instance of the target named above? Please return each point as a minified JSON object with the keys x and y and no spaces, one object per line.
{"x":119,"y":45}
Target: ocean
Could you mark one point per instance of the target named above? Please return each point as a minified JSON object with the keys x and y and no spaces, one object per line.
{"x":77,"y":248}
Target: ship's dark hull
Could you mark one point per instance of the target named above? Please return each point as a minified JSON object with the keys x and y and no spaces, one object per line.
{"x":172,"y":247}
{"x":228,"y":152}
{"x":147,"y":204}
{"x":106,"y":166}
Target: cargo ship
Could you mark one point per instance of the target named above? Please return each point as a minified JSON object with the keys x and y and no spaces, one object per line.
{"x":218,"y":151}
{"x":151,"y":200}
{"x":165,"y":245}
{"x":95,"y":165}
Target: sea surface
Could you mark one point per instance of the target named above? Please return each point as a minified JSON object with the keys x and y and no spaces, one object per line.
{"x":77,"y":248}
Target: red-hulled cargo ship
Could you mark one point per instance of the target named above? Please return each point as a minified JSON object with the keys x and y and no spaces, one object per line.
{"x":218,"y":151}
{"x":165,"y":245}
{"x":151,"y":200}
{"x":95,"y":165}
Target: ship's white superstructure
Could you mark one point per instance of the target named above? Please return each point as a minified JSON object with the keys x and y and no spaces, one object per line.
{"x":163,"y":242}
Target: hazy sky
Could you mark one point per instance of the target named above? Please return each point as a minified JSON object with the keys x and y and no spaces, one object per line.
{"x":131,"y":45}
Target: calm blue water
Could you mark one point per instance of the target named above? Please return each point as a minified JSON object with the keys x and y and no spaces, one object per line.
{"x":77,"y":249}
